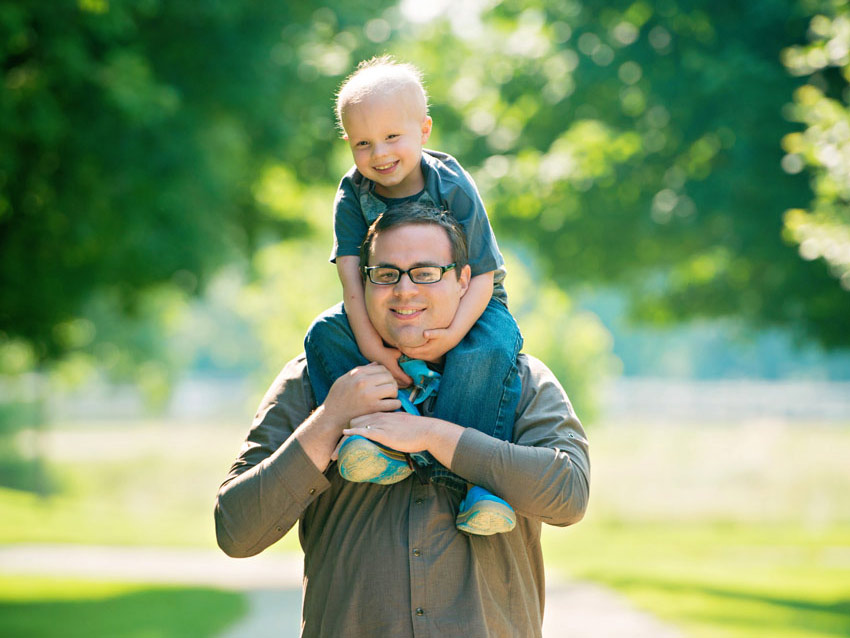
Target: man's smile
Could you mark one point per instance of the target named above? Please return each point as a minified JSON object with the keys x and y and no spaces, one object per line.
{"x":406,"y":312}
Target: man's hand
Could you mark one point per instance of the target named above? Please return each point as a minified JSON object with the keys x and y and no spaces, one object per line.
{"x":409,"y":433}
{"x":440,"y":341}
{"x":388,"y":358}
{"x":364,"y":390}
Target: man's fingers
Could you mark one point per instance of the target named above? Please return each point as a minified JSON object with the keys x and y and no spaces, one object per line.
{"x":389,"y":405}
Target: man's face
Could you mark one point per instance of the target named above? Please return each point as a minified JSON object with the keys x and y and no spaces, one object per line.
{"x":386,"y":134}
{"x":403,"y":311}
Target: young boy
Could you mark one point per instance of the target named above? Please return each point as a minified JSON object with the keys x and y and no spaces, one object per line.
{"x":383,"y":111}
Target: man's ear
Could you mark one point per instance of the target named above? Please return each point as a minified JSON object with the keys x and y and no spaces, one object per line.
{"x":427,"y":122}
{"x":463,"y":279}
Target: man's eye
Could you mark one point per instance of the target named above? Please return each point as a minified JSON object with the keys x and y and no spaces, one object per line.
{"x":392,"y":136}
{"x":427,"y":275}
{"x":384,"y":276}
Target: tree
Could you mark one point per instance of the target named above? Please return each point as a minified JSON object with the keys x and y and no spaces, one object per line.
{"x":131,"y":137}
{"x":638,"y":144}
{"x":823,"y":230}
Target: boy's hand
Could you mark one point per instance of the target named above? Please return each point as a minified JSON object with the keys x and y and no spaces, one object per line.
{"x":388,"y":357}
{"x":440,"y":341}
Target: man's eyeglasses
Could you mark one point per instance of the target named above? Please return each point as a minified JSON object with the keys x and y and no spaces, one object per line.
{"x":389,"y":275}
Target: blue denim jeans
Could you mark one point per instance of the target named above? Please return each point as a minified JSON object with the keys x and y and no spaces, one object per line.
{"x":480,"y":386}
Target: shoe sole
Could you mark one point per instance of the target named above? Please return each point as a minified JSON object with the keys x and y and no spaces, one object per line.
{"x":486,"y":518}
{"x":362,"y":461}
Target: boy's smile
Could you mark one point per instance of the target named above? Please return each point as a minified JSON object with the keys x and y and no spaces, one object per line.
{"x":386,"y":132}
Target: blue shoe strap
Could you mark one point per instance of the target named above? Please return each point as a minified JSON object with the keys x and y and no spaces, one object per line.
{"x":425,"y":380}
{"x":406,"y":404}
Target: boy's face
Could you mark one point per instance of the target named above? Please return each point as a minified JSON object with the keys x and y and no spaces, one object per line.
{"x":386,"y":134}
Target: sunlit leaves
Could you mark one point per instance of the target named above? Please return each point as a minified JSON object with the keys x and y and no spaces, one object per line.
{"x":823,"y":231}
{"x":573,"y":344}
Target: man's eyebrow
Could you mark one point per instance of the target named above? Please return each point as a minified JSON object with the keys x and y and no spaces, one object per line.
{"x":418,"y":264}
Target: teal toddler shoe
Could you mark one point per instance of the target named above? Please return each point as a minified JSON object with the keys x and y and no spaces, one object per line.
{"x":363,"y":461}
{"x":483,"y":513}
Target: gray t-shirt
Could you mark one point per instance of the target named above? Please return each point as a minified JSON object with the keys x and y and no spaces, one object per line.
{"x":447,"y":186}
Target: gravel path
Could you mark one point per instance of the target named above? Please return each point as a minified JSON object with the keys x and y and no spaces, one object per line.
{"x":272,"y":582}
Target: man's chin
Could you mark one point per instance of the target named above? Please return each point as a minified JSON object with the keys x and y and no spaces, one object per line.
{"x":411,"y":340}
{"x":406,"y":347}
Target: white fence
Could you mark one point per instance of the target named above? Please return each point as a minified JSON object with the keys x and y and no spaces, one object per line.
{"x":642,"y":399}
{"x":725,"y":400}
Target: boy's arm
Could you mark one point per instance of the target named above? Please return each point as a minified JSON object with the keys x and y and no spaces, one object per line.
{"x":472,"y":306}
{"x":368,"y":340}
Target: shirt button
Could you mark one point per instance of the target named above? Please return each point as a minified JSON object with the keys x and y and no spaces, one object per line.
{"x":420,"y":611}
{"x":416,"y":552}
{"x":312,"y":490}
{"x":419,"y":501}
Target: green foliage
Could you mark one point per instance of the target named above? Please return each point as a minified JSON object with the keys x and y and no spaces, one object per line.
{"x":638,"y":144}
{"x":573,"y":344}
{"x":823,"y":231}
{"x":21,"y":468}
{"x":42,"y":608}
{"x":131,"y":136}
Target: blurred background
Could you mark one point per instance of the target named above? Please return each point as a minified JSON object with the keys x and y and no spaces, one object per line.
{"x":669,"y":182}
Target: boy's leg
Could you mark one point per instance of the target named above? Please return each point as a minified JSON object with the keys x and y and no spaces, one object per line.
{"x":481,"y":387}
{"x":331,"y":350}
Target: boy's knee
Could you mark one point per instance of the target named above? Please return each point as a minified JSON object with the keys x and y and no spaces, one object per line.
{"x":330,"y":326}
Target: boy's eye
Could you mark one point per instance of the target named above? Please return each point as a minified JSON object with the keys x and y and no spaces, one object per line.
{"x":361,"y":144}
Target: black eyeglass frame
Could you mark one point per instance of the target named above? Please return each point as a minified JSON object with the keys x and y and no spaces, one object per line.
{"x":367,"y":270}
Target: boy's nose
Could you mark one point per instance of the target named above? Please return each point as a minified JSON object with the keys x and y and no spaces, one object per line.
{"x":379,"y":149}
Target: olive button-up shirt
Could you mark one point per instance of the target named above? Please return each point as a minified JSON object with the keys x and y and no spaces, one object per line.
{"x":387,"y":560}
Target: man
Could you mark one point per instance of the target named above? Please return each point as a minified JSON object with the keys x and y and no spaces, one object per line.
{"x":387,"y":560}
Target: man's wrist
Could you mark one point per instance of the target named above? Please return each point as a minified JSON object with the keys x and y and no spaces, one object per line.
{"x":319,"y":434}
{"x":443,"y":439}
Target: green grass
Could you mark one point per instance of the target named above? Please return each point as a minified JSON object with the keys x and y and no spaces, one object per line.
{"x":718,"y":581}
{"x":134,"y":483}
{"x":724,"y":532}
{"x":41,"y":608}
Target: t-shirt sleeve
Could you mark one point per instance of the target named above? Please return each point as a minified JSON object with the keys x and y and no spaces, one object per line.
{"x":349,"y":226}
{"x":461,"y":198}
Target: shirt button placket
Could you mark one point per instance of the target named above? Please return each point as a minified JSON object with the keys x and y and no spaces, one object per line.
{"x":418,"y":565}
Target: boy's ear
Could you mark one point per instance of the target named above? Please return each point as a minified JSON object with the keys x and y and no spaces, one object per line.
{"x":426,"y":128}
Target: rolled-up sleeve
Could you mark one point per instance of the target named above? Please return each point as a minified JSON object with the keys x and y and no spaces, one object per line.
{"x":544,"y":471}
{"x":273,"y":480}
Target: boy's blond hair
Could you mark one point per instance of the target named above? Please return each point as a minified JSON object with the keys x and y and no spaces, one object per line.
{"x":381,"y":74}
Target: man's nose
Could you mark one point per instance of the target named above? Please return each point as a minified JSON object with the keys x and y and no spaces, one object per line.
{"x":405,"y":285}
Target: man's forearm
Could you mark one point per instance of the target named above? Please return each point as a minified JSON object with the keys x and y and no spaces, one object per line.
{"x":258,"y":504}
{"x":544,"y":483}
